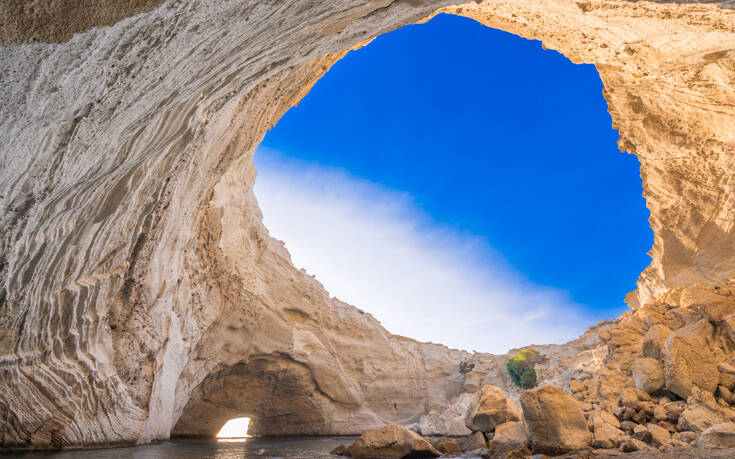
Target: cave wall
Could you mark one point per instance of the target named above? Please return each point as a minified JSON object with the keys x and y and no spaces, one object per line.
{"x":136,"y":274}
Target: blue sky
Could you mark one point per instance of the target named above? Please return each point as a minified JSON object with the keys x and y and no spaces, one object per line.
{"x":492,"y":158}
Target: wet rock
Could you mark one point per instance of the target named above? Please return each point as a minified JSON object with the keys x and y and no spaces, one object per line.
{"x":689,"y":362}
{"x":391,"y":441}
{"x":489,"y":408}
{"x":718,"y":436}
{"x":648,"y":375}
{"x":339,"y":451}
{"x":555,"y":421}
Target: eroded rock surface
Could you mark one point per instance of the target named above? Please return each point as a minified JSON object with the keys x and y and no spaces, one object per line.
{"x":140,"y":294}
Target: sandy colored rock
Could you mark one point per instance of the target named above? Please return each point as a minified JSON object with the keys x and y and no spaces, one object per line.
{"x":576,"y":386}
{"x":632,"y":445}
{"x":447,"y":445}
{"x":489,"y":408}
{"x":555,"y":421}
{"x":134,"y":265}
{"x":450,"y":421}
{"x":701,"y":413}
{"x":654,"y":340}
{"x":648,"y":375}
{"x":391,"y":441}
{"x":659,"y":435}
{"x":606,"y":430}
{"x":509,"y":434}
{"x":689,"y":362}
{"x":717,"y":436}
{"x":473,"y":442}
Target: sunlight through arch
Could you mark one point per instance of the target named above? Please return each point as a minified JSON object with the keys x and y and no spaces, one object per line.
{"x":234,"y":428}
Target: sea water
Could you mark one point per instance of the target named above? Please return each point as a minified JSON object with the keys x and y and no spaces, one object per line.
{"x":257,"y":447}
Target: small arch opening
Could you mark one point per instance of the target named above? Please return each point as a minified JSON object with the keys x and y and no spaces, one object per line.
{"x":235,"y":429}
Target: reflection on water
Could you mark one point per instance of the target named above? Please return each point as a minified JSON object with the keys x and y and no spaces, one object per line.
{"x":292,"y":447}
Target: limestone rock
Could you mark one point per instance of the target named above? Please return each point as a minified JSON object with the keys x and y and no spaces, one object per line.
{"x":509,"y":434}
{"x":473,"y":442}
{"x":659,"y":435}
{"x":717,"y":436}
{"x":134,"y":264}
{"x":689,"y":362}
{"x":489,"y":408}
{"x":576,"y":386}
{"x":702,"y":412}
{"x":606,"y":430}
{"x":555,"y":421}
{"x":653,"y":342}
{"x":648,"y":375}
{"x":473,"y":381}
{"x":447,"y":445}
{"x":391,"y":441}
{"x":450,"y":421}
{"x":632,"y":445}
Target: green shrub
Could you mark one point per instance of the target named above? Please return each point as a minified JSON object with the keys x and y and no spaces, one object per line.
{"x":521,"y":369}
{"x":465,"y":367}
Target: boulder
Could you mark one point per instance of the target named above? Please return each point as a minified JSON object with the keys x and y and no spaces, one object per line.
{"x":606,"y":428}
{"x":339,"y":450}
{"x":632,"y":445}
{"x":689,"y":362}
{"x":489,"y":408}
{"x":686,"y":436}
{"x":509,"y":434}
{"x":701,"y":413}
{"x":648,"y":375}
{"x":674,"y":409}
{"x":391,"y":441}
{"x":555,"y":421}
{"x":576,"y":386}
{"x":446,"y":445}
{"x":652,"y":343}
{"x":724,"y":393}
{"x":727,"y":380}
{"x":724,"y":367}
{"x":718,"y":436}
{"x":473,"y":442}
{"x":659,"y":435}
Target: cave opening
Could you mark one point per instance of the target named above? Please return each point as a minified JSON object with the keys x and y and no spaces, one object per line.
{"x":235,"y":429}
{"x":452,"y":163}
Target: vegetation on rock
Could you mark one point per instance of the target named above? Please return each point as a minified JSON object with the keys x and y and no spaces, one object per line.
{"x":520,"y":367}
{"x":465,"y":367}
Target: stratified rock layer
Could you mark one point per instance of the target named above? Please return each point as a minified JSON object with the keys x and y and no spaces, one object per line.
{"x":140,"y":293}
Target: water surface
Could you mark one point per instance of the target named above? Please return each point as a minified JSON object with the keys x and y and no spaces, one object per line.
{"x":292,"y":447}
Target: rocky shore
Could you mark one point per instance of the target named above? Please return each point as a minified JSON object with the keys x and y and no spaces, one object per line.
{"x":666,"y":388}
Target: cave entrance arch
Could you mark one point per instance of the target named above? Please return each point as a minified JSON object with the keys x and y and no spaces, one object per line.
{"x":304,"y":389}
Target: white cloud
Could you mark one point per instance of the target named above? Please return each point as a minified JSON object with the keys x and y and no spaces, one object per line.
{"x":374,"y":248}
